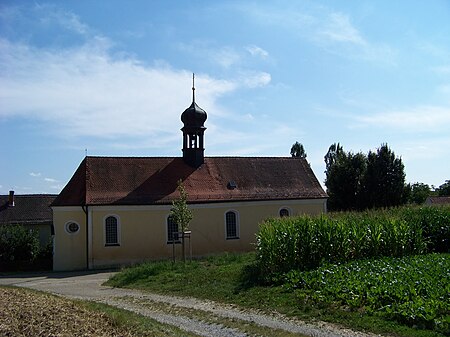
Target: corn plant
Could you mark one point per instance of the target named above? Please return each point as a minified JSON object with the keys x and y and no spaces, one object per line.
{"x":305,"y":242}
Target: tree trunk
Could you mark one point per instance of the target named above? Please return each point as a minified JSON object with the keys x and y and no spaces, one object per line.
{"x":183,"y":254}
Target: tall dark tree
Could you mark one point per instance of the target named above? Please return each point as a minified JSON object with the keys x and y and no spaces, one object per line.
{"x":334,"y":151}
{"x":344,"y":173}
{"x":384,"y":181}
{"x":298,"y":151}
{"x":444,"y":189}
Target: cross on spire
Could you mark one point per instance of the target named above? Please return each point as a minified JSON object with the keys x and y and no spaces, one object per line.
{"x":193,"y":87}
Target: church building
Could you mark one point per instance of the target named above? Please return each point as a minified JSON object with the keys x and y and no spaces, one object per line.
{"x":115,"y":210}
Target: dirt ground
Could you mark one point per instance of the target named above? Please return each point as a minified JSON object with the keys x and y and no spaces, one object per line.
{"x":28,"y":313}
{"x":22,"y":314}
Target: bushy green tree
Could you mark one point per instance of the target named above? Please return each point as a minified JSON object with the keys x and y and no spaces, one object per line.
{"x":418,"y":193}
{"x":298,"y":151}
{"x":181,"y":214}
{"x":18,"y":243}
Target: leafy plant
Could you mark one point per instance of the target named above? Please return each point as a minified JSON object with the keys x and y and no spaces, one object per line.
{"x":18,"y":243}
{"x":414,"y":291}
{"x":305,"y":243}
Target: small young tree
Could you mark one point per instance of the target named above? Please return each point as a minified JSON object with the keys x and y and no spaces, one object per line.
{"x":181,"y":214}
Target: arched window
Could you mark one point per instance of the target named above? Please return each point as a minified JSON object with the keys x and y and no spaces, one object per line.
{"x":172,"y":230}
{"x":231,"y":225}
{"x":111,"y":231}
{"x":284,"y":212}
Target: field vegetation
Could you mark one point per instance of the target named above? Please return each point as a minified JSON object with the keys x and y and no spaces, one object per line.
{"x":382,"y":271}
{"x":304,"y":243}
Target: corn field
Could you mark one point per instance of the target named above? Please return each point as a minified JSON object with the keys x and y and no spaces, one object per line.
{"x":305,"y":243}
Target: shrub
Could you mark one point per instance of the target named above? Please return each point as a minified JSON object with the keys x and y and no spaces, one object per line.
{"x":18,"y":243}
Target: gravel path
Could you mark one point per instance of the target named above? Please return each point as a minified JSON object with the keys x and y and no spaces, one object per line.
{"x":88,"y":286}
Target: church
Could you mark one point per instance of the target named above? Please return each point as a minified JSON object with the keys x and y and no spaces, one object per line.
{"x":116,"y":210}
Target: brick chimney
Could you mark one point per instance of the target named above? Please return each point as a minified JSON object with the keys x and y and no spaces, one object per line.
{"x":11,"y":199}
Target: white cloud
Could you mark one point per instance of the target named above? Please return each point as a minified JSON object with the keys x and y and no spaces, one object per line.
{"x":422,"y":118}
{"x":332,"y":31}
{"x":86,"y":91}
{"x":50,"y":180}
{"x":67,"y":20}
{"x":35,"y":174}
{"x":226,"y":57}
{"x":255,"y":79}
{"x":339,"y":28}
{"x":257,"y":51}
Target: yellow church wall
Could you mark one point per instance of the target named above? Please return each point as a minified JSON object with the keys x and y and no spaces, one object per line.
{"x":69,"y":250}
{"x":143,"y":229}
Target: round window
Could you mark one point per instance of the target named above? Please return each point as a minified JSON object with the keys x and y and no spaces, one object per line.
{"x":284,"y":212}
{"x":72,"y":227}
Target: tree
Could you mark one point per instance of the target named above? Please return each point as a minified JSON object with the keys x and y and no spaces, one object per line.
{"x":418,"y":193}
{"x":344,"y":172}
{"x":181,"y":214}
{"x":384,"y":180}
{"x":357,"y":181}
{"x":444,"y":189}
{"x":298,"y":151}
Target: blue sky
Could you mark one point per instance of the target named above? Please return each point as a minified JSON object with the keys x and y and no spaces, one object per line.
{"x":113,"y":77}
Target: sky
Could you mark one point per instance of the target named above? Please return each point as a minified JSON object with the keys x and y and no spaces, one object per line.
{"x":111,"y":78}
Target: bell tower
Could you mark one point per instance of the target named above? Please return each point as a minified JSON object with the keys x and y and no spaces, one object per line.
{"x":193,"y":130}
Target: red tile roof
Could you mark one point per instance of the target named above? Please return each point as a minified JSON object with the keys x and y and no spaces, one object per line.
{"x":27,"y":209}
{"x":153,"y":180}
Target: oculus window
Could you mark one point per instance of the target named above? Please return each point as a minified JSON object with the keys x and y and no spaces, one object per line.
{"x":72,"y":227}
{"x":284,"y":212}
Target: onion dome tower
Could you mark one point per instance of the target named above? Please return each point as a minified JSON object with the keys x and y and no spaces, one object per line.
{"x":193,"y":119}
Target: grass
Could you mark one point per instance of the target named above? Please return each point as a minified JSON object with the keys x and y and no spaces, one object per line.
{"x":137,"y":325}
{"x":232,"y":278}
{"x":248,"y":327}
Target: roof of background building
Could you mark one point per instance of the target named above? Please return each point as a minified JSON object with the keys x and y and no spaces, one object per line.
{"x":153,"y":180}
{"x":27,"y":209}
{"x":438,"y":200}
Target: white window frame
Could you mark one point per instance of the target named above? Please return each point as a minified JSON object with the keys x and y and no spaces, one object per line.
{"x":286,"y":208}
{"x":66,"y":225}
{"x":118,"y":243}
{"x":236,"y":213}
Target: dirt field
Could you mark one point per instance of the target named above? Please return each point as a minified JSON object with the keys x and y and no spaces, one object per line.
{"x":28,"y":313}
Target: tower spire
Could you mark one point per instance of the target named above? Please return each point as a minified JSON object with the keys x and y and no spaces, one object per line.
{"x":193,"y":88}
{"x":193,"y":130}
